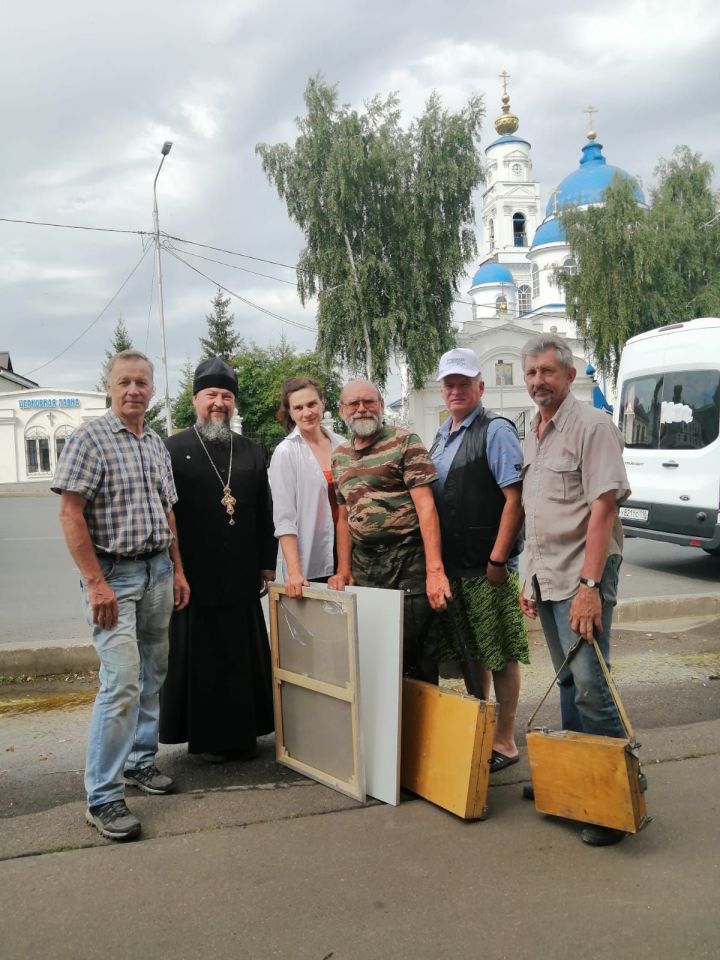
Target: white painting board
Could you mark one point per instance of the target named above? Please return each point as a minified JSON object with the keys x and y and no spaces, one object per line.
{"x":314,"y":652}
{"x":380,"y":630}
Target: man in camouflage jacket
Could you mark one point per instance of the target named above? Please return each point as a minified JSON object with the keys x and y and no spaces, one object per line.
{"x":388,"y":533}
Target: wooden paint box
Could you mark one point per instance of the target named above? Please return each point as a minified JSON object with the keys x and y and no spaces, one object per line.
{"x":588,"y":778}
{"x":447,"y":740}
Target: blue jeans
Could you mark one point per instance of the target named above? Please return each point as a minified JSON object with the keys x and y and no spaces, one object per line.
{"x":586,"y":704}
{"x":133,"y":663}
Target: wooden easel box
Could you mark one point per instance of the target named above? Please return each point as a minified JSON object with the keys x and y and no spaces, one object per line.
{"x":447,"y":740}
{"x":589,"y":778}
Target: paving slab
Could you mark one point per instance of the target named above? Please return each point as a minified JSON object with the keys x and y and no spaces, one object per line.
{"x":407,"y":883}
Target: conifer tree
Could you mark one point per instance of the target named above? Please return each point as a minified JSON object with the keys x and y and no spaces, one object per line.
{"x":221,"y":340}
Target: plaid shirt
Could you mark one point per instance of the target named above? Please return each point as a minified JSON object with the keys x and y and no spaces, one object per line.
{"x":127,"y":482}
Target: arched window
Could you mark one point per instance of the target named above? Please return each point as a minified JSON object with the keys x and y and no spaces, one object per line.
{"x":519,"y":235}
{"x":500,"y":304}
{"x":491,"y":233}
{"x":37,"y":451}
{"x":535,"y":274}
{"x":524,"y":299}
{"x":61,"y":438}
{"x":570,"y":265}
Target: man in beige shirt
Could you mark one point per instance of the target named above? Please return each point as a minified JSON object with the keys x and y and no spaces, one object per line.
{"x":573,"y":480}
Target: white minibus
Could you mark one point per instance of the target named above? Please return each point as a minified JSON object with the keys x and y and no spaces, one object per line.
{"x":668,"y":411}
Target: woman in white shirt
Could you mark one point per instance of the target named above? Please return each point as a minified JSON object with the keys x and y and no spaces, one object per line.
{"x":304,"y":505}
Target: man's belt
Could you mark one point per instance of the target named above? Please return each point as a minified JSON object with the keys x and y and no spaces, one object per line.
{"x":122,"y":558}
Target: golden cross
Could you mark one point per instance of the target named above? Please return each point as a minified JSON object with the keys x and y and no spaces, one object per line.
{"x":229,"y":501}
{"x":590,"y":111}
{"x":504,"y":76}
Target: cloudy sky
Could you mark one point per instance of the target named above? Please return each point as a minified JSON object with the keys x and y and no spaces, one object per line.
{"x":90,"y":91}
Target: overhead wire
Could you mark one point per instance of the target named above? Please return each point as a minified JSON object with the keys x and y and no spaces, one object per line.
{"x":92,"y":324}
{"x":233,"y":266}
{"x":71,"y":226}
{"x":233,"y":253}
{"x":150,"y":303}
{"x":238,"y":296}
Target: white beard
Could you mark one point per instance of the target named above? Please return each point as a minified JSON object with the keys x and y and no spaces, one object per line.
{"x":214,"y":431}
{"x":365,"y":426}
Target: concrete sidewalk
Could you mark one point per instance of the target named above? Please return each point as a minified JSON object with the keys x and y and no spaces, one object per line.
{"x":299,"y":872}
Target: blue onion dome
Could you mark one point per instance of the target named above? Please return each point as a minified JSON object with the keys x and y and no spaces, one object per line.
{"x":589,"y":182}
{"x":549,"y":231}
{"x":492,"y":272}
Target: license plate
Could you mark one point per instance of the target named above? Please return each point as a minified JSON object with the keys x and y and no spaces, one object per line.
{"x":633,"y":513}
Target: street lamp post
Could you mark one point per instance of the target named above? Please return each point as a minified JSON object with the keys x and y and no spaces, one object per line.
{"x":166,"y":148}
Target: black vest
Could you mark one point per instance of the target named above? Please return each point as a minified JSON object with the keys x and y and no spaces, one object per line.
{"x":471,"y":504}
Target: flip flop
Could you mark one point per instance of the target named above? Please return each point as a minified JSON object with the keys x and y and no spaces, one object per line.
{"x":498,"y":761}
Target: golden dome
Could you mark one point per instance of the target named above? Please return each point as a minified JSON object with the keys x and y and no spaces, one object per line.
{"x":508,"y":122}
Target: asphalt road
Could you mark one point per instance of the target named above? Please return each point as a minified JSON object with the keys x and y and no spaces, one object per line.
{"x":40,"y":596}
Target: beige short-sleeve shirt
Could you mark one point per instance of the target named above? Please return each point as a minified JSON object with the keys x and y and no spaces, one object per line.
{"x":577,"y":460}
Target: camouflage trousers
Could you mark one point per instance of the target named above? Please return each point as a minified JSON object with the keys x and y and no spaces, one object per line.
{"x":400,"y":565}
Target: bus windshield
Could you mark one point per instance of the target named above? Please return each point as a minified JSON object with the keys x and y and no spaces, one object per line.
{"x":671,"y":411}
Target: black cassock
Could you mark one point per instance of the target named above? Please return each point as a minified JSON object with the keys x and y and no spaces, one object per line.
{"x":218,"y":693}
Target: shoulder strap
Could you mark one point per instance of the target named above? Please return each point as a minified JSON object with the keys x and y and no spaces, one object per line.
{"x":624,"y":719}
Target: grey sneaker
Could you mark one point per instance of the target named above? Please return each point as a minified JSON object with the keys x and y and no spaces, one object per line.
{"x":150,"y":780}
{"x":113,"y":820}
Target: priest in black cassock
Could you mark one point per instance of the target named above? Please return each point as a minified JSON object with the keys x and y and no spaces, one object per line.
{"x":218,"y":693}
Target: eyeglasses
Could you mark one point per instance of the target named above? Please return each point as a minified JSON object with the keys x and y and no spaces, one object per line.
{"x":354,"y":405}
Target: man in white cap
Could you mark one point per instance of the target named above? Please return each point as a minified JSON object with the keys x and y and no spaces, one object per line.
{"x":478,"y":457}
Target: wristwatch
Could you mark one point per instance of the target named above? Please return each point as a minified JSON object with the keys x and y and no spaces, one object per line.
{"x":587,"y":582}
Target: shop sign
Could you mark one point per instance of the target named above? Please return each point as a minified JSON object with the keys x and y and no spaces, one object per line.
{"x":50,"y":403}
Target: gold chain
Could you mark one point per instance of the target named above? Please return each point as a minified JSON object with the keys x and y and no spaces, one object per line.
{"x":227,"y":500}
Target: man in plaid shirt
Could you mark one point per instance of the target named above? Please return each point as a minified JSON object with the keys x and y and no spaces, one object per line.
{"x":117,"y":494}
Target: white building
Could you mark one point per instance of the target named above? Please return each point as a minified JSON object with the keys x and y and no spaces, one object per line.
{"x":35,"y":424}
{"x":514,"y":294}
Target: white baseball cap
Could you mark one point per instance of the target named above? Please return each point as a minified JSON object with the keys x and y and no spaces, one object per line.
{"x":460,"y":360}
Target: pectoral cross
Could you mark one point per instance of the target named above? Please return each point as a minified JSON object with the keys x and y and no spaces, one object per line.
{"x":229,"y":501}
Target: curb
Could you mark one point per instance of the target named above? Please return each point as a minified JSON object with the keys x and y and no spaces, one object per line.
{"x":40,"y":660}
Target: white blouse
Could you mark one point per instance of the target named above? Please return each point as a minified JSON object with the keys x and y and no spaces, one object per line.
{"x":301,"y":505}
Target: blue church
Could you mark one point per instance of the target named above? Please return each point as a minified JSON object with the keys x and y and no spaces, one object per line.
{"x":513,"y":292}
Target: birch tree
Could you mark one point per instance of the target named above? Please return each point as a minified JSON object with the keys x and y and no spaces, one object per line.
{"x":387,"y":215}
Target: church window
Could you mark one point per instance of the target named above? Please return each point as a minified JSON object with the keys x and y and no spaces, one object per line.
{"x":570,"y":265}
{"x":37,"y":451}
{"x":524,"y":299}
{"x":535,"y":272}
{"x":500,"y":305}
{"x":491,"y":232}
{"x":503,"y":374}
{"x":61,"y":438}
{"x":516,"y":169}
{"x":519,"y":235}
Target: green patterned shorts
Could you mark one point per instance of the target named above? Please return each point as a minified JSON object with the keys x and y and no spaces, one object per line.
{"x":491,"y":621}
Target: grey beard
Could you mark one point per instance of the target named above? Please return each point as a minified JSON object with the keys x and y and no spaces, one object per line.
{"x":214,"y":431}
{"x":365,"y":426}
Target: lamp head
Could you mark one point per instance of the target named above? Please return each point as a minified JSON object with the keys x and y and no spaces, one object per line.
{"x":166,"y":148}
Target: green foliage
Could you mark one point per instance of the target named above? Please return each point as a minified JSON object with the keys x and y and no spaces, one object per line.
{"x":261,"y":372}
{"x":640,"y":268}
{"x":221,"y":340}
{"x":183,"y":412}
{"x":387,"y":215}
